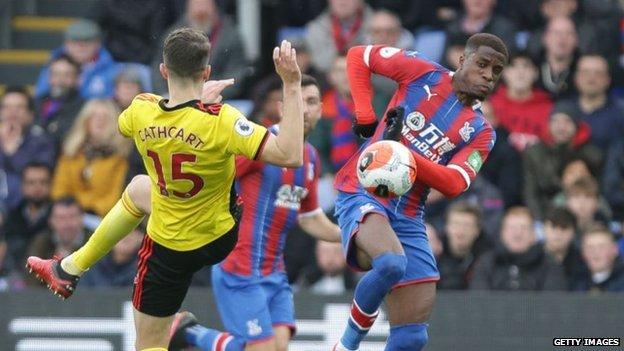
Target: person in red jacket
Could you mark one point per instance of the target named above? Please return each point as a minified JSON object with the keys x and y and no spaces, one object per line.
{"x":521,"y":108}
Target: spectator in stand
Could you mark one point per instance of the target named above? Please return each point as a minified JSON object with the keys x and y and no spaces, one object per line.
{"x":559,"y":231}
{"x":504,"y":164}
{"x":31,"y":215}
{"x":544,"y":161}
{"x":97,"y":67}
{"x":597,"y":23}
{"x":21,"y":143}
{"x":434,"y":240}
{"x":417,"y":14}
{"x":519,"y":261}
{"x":267,"y":96}
{"x":119,"y":267}
{"x":338,"y":107}
{"x":582,"y":199}
{"x":338,"y":28}
{"x":385,"y":28}
{"x":542,"y":14}
{"x":93,"y":165}
{"x":577,"y":169}
{"x":128,"y":84}
{"x":454,"y":49}
{"x":333,"y":279}
{"x":558,"y":57}
{"x":613,"y":179}
{"x":463,"y":245}
{"x":521,"y":108}
{"x":57,"y":109}
{"x":227,"y":52}
{"x":304,"y":60}
{"x":603,"y":113}
{"x":478,"y":16}
{"x":606,"y":269}
{"x":482,"y":194}
{"x":65,"y":234}
{"x":131,"y":27}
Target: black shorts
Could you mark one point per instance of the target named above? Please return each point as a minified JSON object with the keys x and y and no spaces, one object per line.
{"x":164,"y":275}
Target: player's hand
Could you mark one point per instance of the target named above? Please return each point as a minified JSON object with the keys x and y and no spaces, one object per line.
{"x":285,"y":60}
{"x":211,"y":91}
{"x":364,"y":130}
{"x":394,"y":123}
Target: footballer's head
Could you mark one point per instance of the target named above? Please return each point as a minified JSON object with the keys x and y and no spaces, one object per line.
{"x":480,"y":66}
{"x":185,"y":56}
{"x":312,"y":108}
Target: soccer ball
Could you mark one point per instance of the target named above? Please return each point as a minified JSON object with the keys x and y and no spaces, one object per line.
{"x":386,"y":168}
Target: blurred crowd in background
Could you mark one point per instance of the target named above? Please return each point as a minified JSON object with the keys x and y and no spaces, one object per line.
{"x":545,"y":213}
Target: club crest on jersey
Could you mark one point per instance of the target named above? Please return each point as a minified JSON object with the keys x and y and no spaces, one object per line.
{"x":290,"y":196}
{"x":243,"y":127}
{"x":466,"y":132}
{"x":388,"y":52}
{"x":415,"y":121}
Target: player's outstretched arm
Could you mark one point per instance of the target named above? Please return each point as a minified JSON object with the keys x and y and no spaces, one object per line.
{"x":454,"y":178}
{"x":394,"y":63}
{"x":319,"y":226}
{"x":286,"y":149}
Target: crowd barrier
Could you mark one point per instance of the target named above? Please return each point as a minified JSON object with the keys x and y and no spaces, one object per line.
{"x":101,"y":320}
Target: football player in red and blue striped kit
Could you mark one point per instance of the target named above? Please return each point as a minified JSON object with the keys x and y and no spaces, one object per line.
{"x":252,"y":293}
{"x":441,"y":122}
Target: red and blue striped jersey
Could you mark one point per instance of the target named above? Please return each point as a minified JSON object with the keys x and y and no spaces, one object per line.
{"x":438,"y":128}
{"x":273,"y":199}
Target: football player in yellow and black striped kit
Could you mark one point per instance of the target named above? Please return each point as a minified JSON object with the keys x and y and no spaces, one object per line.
{"x":188,"y":148}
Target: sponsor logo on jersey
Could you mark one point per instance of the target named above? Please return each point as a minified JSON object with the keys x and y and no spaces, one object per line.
{"x":243,"y":127}
{"x":429,"y":140}
{"x":290,"y":196}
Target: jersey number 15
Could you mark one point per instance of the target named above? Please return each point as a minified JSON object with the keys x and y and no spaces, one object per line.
{"x":177,"y":174}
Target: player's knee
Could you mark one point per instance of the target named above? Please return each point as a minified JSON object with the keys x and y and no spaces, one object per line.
{"x":139,"y":191}
{"x":408,"y":337}
{"x":390,"y":265}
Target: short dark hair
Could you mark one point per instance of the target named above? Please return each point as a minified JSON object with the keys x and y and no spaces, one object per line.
{"x":585,"y":186}
{"x":23,"y":90}
{"x":67,"y":201}
{"x":307,"y":80}
{"x":489,"y":40}
{"x":186,"y":52}
{"x":36,"y":164}
{"x":68,"y":59}
{"x":521,"y":54}
{"x":465,"y":207}
{"x":561,"y":217}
